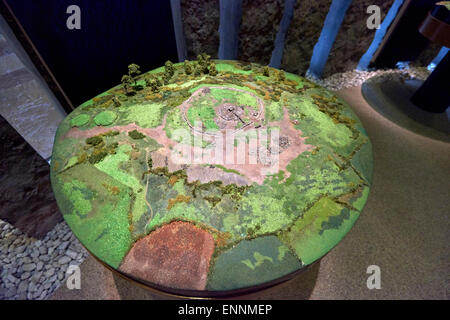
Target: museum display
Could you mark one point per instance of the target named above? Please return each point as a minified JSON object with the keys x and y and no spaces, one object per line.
{"x":211,"y":176}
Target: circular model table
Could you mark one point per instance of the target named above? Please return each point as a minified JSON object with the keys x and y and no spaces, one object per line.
{"x":211,"y":178}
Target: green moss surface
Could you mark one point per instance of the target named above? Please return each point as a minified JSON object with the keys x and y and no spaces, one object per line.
{"x":319,"y":230}
{"x":105,"y":118}
{"x":251,"y":263}
{"x":111,"y":193}
{"x":80,"y":120}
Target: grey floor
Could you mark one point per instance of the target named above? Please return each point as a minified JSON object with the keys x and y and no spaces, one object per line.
{"x":391,"y":98}
{"x":404,"y":229}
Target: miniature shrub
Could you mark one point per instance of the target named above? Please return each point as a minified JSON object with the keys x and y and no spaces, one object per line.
{"x":80,"y":120}
{"x":94,"y":141}
{"x":97,"y":156}
{"x":105,"y":118}
{"x":136,"y":135}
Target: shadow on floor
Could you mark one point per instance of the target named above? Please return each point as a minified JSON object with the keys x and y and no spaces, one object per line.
{"x":100,"y":283}
{"x":391,"y":98}
{"x":298,"y":288}
{"x":26,"y":197}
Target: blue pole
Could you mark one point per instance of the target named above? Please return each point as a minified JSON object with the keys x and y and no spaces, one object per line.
{"x":178,"y":28}
{"x":439,"y":57}
{"x":277,"y":53}
{"x":327,"y":37}
{"x":379,"y":35}
{"x":230,"y":20}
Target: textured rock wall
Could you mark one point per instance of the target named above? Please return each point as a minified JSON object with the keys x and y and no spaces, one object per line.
{"x":354,"y":38}
{"x":351,"y":42}
{"x":260,"y":23}
{"x":259,"y":27}
{"x":201,"y":26}
{"x":303,"y":34}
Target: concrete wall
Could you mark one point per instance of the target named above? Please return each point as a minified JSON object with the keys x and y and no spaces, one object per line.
{"x":26,"y":102}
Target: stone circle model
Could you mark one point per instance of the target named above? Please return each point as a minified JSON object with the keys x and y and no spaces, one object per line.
{"x":211,"y":176}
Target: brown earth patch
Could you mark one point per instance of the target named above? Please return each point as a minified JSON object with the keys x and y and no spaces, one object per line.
{"x":176,"y":255}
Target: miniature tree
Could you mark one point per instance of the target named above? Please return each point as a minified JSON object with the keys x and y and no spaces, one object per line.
{"x":187,"y":67}
{"x":136,"y":135}
{"x":153,"y":84}
{"x":155,"y":79}
{"x":212,"y":68}
{"x":127,"y":81}
{"x":197,"y":69}
{"x":116,"y":102}
{"x":134,"y":71}
{"x":166,"y":78}
{"x":247,"y":67}
{"x":203,"y":62}
{"x":169,"y":70}
{"x":281,"y":76}
{"x":204,"y":57}
{"x":148,"y":82}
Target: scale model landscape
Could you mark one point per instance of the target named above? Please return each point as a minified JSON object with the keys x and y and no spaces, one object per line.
{"x":202,"y":225}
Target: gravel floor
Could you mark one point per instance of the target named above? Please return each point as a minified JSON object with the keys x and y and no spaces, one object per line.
{"x":34,"y":269}
{"x":356,"y":78}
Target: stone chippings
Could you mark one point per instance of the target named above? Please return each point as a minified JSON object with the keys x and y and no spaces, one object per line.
{"x":339,"y":81}
{"x":33,"y":269}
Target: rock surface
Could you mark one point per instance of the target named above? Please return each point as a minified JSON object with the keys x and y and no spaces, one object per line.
{"x":354,"y":38}
{"x":201,"y":26}
{"x":259,"y":26}
{"x":260,"y":22}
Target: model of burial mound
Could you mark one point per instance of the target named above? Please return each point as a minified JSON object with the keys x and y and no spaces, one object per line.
{"x":210,"y":177}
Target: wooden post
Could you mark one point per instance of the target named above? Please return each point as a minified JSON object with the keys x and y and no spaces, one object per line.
{"x":277,"y":53}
